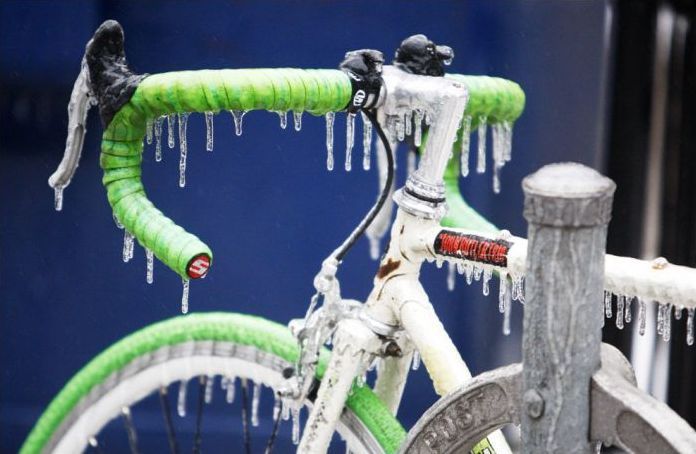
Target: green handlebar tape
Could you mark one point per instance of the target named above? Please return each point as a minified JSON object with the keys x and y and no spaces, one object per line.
{"x":315,"y":91}
{"x":497,"y":99}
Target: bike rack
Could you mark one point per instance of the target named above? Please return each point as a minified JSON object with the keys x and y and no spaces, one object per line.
{"x":571,"y":392}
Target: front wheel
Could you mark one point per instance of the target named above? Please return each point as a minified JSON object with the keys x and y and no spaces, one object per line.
{"x":201,"y":347}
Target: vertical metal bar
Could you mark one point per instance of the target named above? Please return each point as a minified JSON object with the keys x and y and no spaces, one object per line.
{"x":568,"y":207}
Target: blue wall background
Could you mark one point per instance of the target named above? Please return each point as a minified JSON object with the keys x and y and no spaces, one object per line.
{"x":264,"y":201}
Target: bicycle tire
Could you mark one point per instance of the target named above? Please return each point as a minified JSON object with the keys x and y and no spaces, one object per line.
{"x":210,"y":343}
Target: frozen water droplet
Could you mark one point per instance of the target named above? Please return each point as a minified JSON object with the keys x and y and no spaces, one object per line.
{"x":416,"y":360}
{"x":255,"y":399}
{"x":641,"y":316}
{"x":451,"y":270}
{"x":209,"y":383}
{"x":229,"y":391}
{"x":330,"y":117}
{"x":659,"y":263}
{"x":678,"y":312}
{"x":350,"y":139}
{"x":283,"y":119}
{"x":209,"y":124}
{"x":465,"y":145}
{"x":185,"y":296}
{"x":297,"y":120}
{"x":93,"y":442}
{"x":487,"y":275}
{"x":607,"y":304}
{"x":418,"y":128}
{"x":367,"y":140}
{"x":374,"y":247}
{"x":481,"y":157}
{"x":183,"y":148}
{"x":150,"y":263}
{"x":170,"y":130}
{"x":667,"y":318}
{"x":181,"y":401}
{"x":690,"y":326}
{"x":127,"y":246}
{"x":58,"y":197}
{"x":148,"y":131}
{"x":158,"y":138}
{"x":620,"y":311}
{"x":438,"y":262}
{"x":411,"y":164}
{"x":627,"y":309}
{"x":502,"y":291}
{"x":295,"y":425}
{"x":238,"y":117}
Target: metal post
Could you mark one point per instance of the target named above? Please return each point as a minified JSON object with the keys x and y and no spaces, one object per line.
{"x":568,"y":207}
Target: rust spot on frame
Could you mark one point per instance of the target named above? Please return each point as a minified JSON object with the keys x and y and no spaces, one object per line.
{"x":388,"y":267}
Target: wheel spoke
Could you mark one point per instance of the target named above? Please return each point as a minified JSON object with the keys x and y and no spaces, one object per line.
{"x":130,"y":430}
{"x":245,"y":415}
{"x":199,"y":414}
{"x":277,"y":410}
{"x":167,"y":414}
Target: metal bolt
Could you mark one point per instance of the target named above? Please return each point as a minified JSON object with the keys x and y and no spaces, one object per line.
{"x":534,"y":403}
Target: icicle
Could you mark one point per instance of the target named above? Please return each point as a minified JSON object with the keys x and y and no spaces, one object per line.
{"x":297,"y":120}
{"x":481,"y":158}
{"x":181,"y":401}
{"x":229,"y":394}
{"x":118,"y":223}
{"x":183,"y":147}
{"x":408,"y":123}
{"x":150,"y":259}
{"x":678,"y":312}
{"x":460,"y":267}
{"x":620,"y":311}
{"x":477,"y":272}
{"x":367,"y":140}
{"x":127,"y":246}
{"x":360,"y":380}
{"x":400,"y":129}
{"x":607,"y":304}
{"x":208,"y":395}
{"x":158,"y":138}
{"x":507,"y":313}
{"x":469,"y":273}
{"x":516,"y":288}
{"x":148,"y":131}
{"x":209,"y":131}
{"x":451,"y":270}
{"x":276,"y":406}
{"x":330,"y":116}
{"x":487,"y":275}
{"x":238,"y":117}
{"x":255,"y":399}
{"x":185,"y":296}
{"x":283,"y":119}
{"x":641,"y":316}
{"x":428,"y":118}
{"x":667,"y":320}
{"x":690,"y":326}
{"x":416,"y":360}
{"x":598,"y":447}
{"x":295,"y":426}
{"x":507,"y":139}
{"x":170,"y":130}
{"x":660,"y":319}
{"x":502,"y":290}
{"x":418,"y":131}
{"x":350,"y":139}
{"x":465,"y":145}
{"x":411,"y":163}
{"x":374,"y":247}
{"x":58,"y":197}
{"x":627,"y":310}
{"x":438,"y":263}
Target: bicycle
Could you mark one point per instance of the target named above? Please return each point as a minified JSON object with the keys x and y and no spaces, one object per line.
{"x":394,"y":328}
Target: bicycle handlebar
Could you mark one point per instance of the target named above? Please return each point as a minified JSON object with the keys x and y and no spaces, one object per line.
{"x":127,"y":107}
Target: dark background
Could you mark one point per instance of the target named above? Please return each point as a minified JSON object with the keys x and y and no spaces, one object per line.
{"x":263,"y":201}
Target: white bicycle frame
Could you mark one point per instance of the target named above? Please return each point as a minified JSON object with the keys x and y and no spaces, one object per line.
{"x":398,"y":306}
